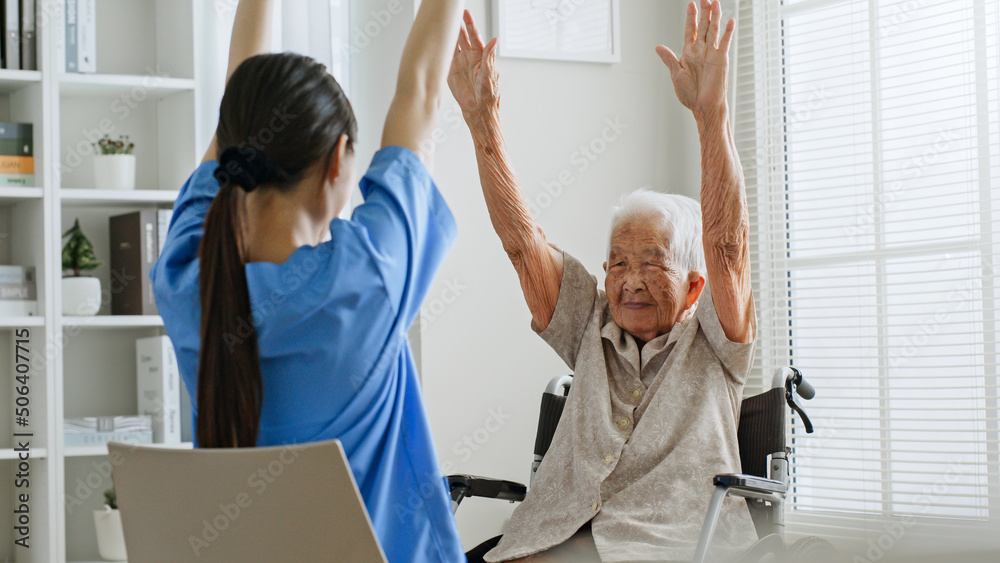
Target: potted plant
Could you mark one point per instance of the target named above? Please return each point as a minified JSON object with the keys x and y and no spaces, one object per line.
{"x":81,"y":294}
{"x":110,"y":536}
{"x":114,"y":163}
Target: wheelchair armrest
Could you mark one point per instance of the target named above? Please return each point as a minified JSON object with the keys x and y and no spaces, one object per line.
{"x":750,"y":483}
{"x":463,"y":486}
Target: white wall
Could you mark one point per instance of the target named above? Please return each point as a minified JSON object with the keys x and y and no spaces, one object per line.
{"x":480,"y":359}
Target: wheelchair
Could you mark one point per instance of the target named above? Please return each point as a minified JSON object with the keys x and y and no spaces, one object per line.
{"x":764,"y":482}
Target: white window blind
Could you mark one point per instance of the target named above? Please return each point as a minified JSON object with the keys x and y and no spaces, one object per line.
{"x":870,"y":137}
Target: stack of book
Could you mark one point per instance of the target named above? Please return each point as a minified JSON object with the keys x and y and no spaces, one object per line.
{"x":17,"y":154}
{"x":19,"y":49}
{"x":81,"y":36}
{"x":18,"y":292}
{"x":97,"y":430}
{"x":135,"y":242}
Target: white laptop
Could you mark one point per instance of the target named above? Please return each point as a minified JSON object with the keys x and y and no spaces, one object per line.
{"x":282,"y":503}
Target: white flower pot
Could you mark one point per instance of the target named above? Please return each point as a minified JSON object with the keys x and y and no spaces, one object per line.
{"x":114,"y":171}
{"x":110,"y":537}
{"x":81,"y":296}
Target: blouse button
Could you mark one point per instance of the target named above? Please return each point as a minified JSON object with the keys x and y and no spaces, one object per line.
{"x":595,"y":506}
{"x":609,"y":458}
{"x":636,"y":393}
{"x":623,"y":423}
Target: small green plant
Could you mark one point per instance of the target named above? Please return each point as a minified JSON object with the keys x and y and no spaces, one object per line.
{"x":107,"y":145}
{"x":111,"y":499}
{"x":78,"y":253}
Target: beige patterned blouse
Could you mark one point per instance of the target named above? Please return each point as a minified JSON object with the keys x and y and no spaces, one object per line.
{"x":641,"y":436}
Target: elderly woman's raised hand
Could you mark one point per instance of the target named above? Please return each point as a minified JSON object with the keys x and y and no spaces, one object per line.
{"x":699,"y":75}
{"x":473,"y":77}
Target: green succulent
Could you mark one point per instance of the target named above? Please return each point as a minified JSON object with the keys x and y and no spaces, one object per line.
{"x":111,"y":499}
{"x":78,"y":253}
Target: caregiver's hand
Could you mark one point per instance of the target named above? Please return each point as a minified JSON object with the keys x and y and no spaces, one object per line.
{"x":699,"y":75}
{"x":473,"y":76}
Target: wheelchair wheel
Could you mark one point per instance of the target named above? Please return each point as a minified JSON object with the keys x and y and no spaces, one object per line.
{"x":769,"y":549}
{"x":811,"y":549}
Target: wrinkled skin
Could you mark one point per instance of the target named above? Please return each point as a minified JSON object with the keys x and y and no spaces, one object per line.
{"x":648,"y":292}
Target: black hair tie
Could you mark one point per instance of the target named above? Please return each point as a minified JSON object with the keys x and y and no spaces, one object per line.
{"x":246,"y":167}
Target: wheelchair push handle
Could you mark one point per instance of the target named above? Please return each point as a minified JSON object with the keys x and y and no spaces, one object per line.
{"x":805,"y":389}
{"x":793,"y":382}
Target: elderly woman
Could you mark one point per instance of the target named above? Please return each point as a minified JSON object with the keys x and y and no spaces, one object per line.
{"x":660,"y":356}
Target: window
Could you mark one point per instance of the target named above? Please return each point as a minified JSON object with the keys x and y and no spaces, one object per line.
{"x":870,"y":138}
{"x":318,"y":28}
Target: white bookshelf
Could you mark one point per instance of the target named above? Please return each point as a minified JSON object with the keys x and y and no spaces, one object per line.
{"x":9,"y":195}
{"x":10,"y":454}
{"x":14,"y":322}
{"x":13,"y":80}
{"x":144,"y":87}
{"x":92,"y":197}
{"x":151,"y":86}
{"x":102,"y":450}
{"x":113,"y":321}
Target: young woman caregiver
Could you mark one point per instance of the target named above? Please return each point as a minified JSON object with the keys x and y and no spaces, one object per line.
{"x":284,"y":338}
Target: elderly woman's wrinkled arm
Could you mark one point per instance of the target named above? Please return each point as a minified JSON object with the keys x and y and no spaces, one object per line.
{"x":726,"y":228}
{"x":473,"y":81}
{"x":699,"y":78}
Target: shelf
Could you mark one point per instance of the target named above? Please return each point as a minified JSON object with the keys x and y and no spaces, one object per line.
{"x":116,"y":198}
{"x":114,"y":321}
{"x":10,"y":194}
{"x":138,"y":87}
{"x":13,"y":80}
{"x":17,"y":322}
{"x":102,"y":449}
{"x":34,"y":453}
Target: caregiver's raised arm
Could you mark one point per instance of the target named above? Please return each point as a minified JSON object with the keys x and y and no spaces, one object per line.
{"x":251,"y":36}
{"x":699,"y":78}
{"x":422,"y":71}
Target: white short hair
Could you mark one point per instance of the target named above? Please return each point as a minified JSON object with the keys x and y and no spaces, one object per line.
{"x":680,"y":217}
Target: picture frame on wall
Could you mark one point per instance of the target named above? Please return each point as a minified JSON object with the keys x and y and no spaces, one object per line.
{"x":563,"y":30}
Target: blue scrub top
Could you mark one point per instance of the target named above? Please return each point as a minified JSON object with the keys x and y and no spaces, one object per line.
{"x":331,"y":325}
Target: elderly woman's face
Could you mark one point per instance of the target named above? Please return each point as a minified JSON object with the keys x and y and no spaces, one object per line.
{"x":647,"y":291}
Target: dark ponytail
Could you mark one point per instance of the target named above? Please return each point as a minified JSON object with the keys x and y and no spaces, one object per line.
{"x":281,"y":116}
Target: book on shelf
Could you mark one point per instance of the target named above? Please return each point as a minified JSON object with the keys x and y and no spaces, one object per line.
{"x":163,"y":217}
{"x":97,"y":430}
{"x":72,"y":49}
{"x":18,"y":291}
{"x":81,"y":36}
{"x":187,"y":422}
{"x":11,"y":23}
{"x":17,"y":154}
{"x":17,"y":274}
{"x":134,"y":248}
{"x":158,"y":382}
{"x":86,"y":14}
{"x":29,"y":46}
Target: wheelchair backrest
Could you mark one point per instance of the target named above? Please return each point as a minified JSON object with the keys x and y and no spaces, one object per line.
{"x":762,"y":430}
{"x":553,"y":401}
